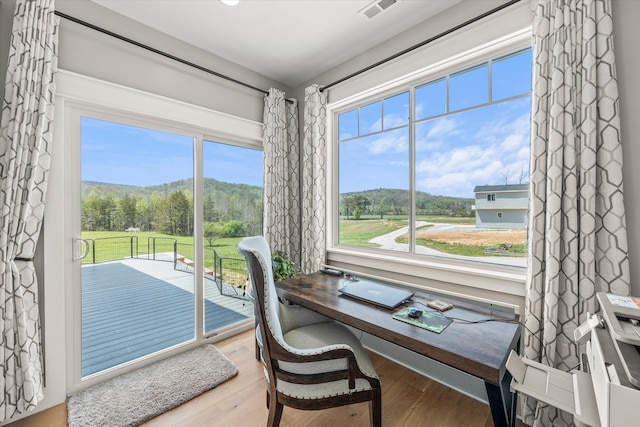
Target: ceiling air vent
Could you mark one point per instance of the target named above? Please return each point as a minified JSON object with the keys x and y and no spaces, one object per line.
{"x":376,"y":7}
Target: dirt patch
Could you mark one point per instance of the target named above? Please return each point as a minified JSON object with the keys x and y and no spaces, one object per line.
{"x":476,"y":237}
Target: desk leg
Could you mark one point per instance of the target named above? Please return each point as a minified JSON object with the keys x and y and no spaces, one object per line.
{"x":503,"y":402}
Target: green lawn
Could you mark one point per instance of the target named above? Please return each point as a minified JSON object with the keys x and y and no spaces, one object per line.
{"x":468,"y":250}
{"x":111,"y":245}
{"x":448,"y":248}
{"x":359,"y":232}
{"x":440,"y":219}
{"x":447,"y":219}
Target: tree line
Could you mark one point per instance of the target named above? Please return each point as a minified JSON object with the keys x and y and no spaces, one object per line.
{"x":234,"y":211}
{"x":384,"y":201}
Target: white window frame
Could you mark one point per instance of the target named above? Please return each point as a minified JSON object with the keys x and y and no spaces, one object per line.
{"x":496,"y":278}
{"x":77,"y":94}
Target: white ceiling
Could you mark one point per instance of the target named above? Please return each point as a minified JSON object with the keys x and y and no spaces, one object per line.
{"x":290,"y":41}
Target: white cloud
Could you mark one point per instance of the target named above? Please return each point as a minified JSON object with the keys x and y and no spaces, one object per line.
{"x":422,"y":145}
{"x":431,"y":137}
{"x":456,"y":172}
{"x":512,"y":142}
{"x":443,"y":127}
{"x":376,"y":126}
{"x":394,"y":120}
{"x":389,"y":142}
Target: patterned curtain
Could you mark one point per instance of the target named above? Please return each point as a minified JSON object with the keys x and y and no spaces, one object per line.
{"x":281,"y":174}
{"x":314,"y":167}
{"x":577,"y":231}
{"x":25,"y":143}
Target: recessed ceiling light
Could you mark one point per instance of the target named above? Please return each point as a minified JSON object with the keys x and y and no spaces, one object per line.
{"x":230,"y":2}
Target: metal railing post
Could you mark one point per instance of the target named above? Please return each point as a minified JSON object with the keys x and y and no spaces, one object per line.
{"x":93,"y":251}
{"x":215,"y":264}
{"x":175,"y":253}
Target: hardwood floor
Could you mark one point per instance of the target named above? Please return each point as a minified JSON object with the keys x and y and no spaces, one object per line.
{"x":408,"y":399}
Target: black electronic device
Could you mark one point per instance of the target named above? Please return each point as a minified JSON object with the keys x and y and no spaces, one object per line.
{"x":414,"y":313}
{"x":332,"y":272}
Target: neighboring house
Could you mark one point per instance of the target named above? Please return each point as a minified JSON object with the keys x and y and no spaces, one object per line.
{"x":501,"y":206}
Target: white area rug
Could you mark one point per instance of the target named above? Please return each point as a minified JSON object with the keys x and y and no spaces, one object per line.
{"x":135,"y":397}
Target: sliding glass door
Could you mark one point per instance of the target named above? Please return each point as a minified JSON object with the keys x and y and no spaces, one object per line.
{"x":149,"y":196}
{"x":232,"y":208}
{"x":137,"y":291}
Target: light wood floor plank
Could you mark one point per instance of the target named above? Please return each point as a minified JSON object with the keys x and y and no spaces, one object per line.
{"x":408,"y":399}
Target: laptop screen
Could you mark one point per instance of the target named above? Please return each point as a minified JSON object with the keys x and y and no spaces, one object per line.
{"x":376,"y":293}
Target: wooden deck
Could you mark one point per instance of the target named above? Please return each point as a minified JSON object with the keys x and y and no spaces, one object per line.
{"x":135,"y":307}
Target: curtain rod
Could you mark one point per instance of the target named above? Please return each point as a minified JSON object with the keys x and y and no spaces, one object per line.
{"x":423,"y":43}
{"x":159,"y":52}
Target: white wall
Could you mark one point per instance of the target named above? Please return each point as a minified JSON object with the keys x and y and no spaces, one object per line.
{"x":88,"y":52}
{"x":6,"y":21}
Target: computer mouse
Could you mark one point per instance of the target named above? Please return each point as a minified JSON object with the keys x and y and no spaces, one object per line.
{"x":414,"y":313}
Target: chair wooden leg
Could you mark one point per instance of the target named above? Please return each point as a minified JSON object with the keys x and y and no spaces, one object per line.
{"x":275,"y":412}
{"x":375,"y":409}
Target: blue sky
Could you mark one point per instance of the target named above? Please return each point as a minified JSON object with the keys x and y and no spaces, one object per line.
{"x":122,"y":154}
{"x":482,"y":139}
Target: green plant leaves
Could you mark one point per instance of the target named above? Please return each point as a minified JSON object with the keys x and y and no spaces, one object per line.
{"x":283,"y":266}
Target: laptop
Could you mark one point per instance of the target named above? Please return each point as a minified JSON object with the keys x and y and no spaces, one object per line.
{"x":376,"y":293}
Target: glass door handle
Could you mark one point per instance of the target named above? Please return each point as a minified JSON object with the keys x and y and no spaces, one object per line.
{"x":80,"y":249}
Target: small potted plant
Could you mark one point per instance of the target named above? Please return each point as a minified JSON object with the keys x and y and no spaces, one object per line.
{"x":283,"y":266}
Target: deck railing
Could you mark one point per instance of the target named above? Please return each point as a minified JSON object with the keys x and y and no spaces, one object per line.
{"x":230,"y":274}
{"x":232,"y":270}
{"x":111,"y":248}
{"x":160,"y":245}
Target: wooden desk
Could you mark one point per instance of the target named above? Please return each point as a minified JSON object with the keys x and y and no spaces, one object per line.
{"x":479,"y":349}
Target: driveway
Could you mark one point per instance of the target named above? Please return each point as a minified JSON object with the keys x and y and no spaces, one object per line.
{"x":388,"y":242}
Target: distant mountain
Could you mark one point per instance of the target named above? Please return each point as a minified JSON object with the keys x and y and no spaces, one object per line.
{"x":102,"y":189}
{"x":107,"y":189}
{"x":393,"y":199}
{"x":426,"y":204}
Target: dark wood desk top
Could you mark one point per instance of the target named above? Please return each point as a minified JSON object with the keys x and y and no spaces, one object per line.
{"x":479,"y":349}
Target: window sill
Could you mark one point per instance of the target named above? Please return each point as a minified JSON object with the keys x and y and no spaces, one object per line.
{"x":489,"y":280}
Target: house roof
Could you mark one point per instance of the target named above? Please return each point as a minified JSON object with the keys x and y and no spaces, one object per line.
{"x":501,"y":188}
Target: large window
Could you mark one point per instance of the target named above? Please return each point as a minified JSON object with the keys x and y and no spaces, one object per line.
{"x":440,"y":168}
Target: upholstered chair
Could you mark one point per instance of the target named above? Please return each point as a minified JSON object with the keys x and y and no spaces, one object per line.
{"x":311,"y":362}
